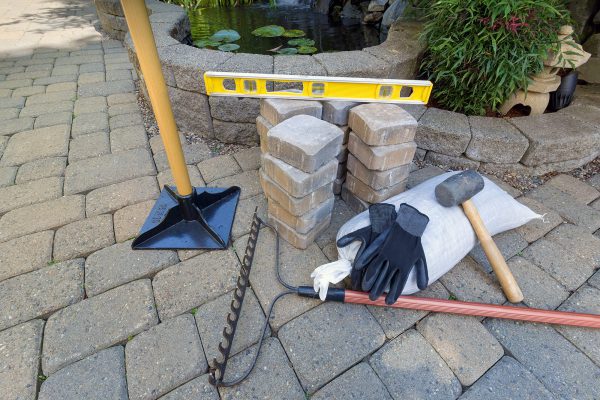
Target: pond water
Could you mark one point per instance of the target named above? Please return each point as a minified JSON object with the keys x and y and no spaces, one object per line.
{"x":329,"y":34}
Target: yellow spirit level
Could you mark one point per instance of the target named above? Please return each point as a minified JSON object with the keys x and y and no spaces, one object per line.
{"x":317,"y":87}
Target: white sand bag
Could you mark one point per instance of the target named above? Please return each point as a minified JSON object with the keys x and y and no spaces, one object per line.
{"x":448,"y":237}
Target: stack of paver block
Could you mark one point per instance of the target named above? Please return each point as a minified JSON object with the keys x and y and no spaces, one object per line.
{"x":298,"y":168}
{"x":381,"y":150}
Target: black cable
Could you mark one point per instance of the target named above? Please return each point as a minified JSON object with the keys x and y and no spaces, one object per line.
{"x":277,"y":267}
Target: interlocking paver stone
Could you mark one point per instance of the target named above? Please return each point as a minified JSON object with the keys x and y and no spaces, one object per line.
{"x":50,"y":97}
{"x":86,"y":105}
{"x":196,"y":389}
{"x":395,"y":321}
{"x":193,"y":153}
{"x":305,"y":223}
{"x":296,"y":265}
{"x":43,"y":168}
{"x":7,"y":176}
{"x":29,"y":91}
{"x":118,"y":264}
{"x":359,"y":382}
{"x":16,"y":125}
{"x":377,"y":179}
{"x":120,"y":98}
{"x":507,"y":380}
{"x":218,"y":167}
{"x":443,"y":131}
{"x":113,"y":197}
{"x":535,"y":229}
{"x":88,"y":123}
{"x":31,"y":145}
{"x":14,"y":84}
{"x":36,"y":110}
{"x":278,"y":110}
{"x":166,"y":177}
{"x":509,"y":243}
{"x":210,"y":318}
{"x":381,"y":158}
{"x":411,"y":369}
{"x":248,"y":159}
{"x":83,"y":237}
{"x":84,"y":328}
{"x":97,"y":377}
{"x":192,"y":283}
{"x":164,"y":357}
{"x":36,"y":218}
{"x":248,"y":181}
{"x":90,"y":77}
{"x":336,"y":112}
{"x":16,"y":102}
{"x":88,"y":146}
{"x":585,"y":300}
{"x":581,"y":191}
{"x":157,"y":145}
{"x":123,"y":120}
{"x":39,"y":293}
{"x":570,"y":269}
{"x":539,"y":288}
{"x":469,"y":282}
{"x":61,"y":87}
{"x":273,"y":377}
{"x":9,"y":113}
{"x":105,"y":88}
{"x":59,"y":118}
{"x":578,"y":241}
{"x":55,"y":79}
{"x":245,"y":213}
{"x":305,"y":142}
{"x":319,"y":355}
{"x":128,"y":138}
{"x":368,"y":194}
{"x":382,"y":124}
{"x":105,"y":170}
{"x":468,"y":359}
{"x":20,"y":349}
{"x":32,"y":192}
{"x":563,"y":369}
{"x":129,"y":220}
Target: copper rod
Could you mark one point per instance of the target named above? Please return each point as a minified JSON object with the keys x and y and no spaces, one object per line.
{"x":480,"y":309}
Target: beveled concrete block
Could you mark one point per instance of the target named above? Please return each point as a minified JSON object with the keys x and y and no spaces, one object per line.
{"x":296,"y":239}
{"x":263,"y":126}
{"x":305,"y":142}
{"x":377,"y":179}
{"x":382,"y":124}
{"x":352,"y":201}
{"x":296,"y":182}
{"x":381,"y":158}
{"x":278,"y":110}
{"x":367,"y":193}
{"x":303,"y":223}
{"x":336,"y":112}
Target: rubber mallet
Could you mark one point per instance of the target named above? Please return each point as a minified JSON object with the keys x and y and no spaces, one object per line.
{"x":458,"y":190}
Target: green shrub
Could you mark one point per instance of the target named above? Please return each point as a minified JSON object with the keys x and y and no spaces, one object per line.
{"x":481,"y":51}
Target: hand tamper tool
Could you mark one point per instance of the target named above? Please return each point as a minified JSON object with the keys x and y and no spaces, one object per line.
{"x":458,"y":190}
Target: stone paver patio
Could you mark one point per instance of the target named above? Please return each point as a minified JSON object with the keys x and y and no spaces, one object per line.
{"x":82,"y":316}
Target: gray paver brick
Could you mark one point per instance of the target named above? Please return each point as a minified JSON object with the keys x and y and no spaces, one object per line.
{"x":105,"y":170}
{"x":469,"y":282}
{"x":305,"y":142}
{"x":248,"y":181}
{"x":105,"y":88}
{"x":535,"y":229}
{"x":370,"y":195}
{"x":245,"y":212}
{"x":164,"y":357}
{"x":218,"y":167}
{"x":336,"y":112}
{"x":46,"y":108}
{"x":305,"y":223}
{"x":273,"y":377}
{"x":20,"y":360}
{"x":585,"y":300}
{"x":7,"y":176}
{"x":61,"y":87}
{"x":15,"y":84}
{"x":113,"y":197}
{"x":9,"y":113}
{"x":443,"y":131}
{"x":123,"y":120}
{"x":296,"y":265}
{"x":36,"y":218}
{"x":410,"y":368}
{"x":129,"y":220}
{"x":97,"y":377}
{"x":577,"y":241}
{"x":248,"y":159}
{"x":295,"y":238}
{"x":90,"y":77}
{"x":278,"y":110}
{"x":83,"y":237}
{"x":128,"y":138}
{"x":510,"y":243}
{"x":51,"y":97}
{"x":91,"y":67}
{"x":192,"y":283}
{"x":581,"y":191}
{"x":395,"y":321}
{"x":193,"y":153}
{"x":539,"y":288}
{"x":65,"y":70}
{"x":16,"y":125}
{"x":117,"y":74}
{"x":84,"y":328}
{"x":563,"y":369}
{"x":59,"y":118}
{"x":89,"y":146}
{"x":382,"y":124}
{"x":381,"y":158}
{"x":32,"y":192}
{"x":28,"y":75}
{"x":16,"y":102}
{"x":39,"y":293}
{"x":87,"y":105}
{"x":567,"y":206}
{"x":28,"y":91}
{"x":35,"y":144}
{"x":83,"y":59}
{"x":118,"y":264}
{"x":319,"y":355}
{"x":120,"y":98}
{"x":210,"y":319}
{"x":507,"y":379}
{"x":359,"y":382}
{"x":166,"y":177}
{"x":468,"y":359}
{"x":570,"y":269}
{"x":43,"y":168}
{"x":340,"y":215}
{"x":123,"y":108}
{"x":88,"y":123}
{"x":377,"y":179}
{"x":196,"y":389}
{"x":56,"y":79}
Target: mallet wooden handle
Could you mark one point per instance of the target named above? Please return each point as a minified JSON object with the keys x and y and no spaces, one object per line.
{"x":505,"y":277}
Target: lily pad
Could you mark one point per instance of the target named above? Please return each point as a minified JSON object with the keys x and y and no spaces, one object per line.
{"x":294,"y":33}
{"x":288,"y":51}
{"x":206,"y":43}
{"x":269,"y":31}
{"x":301,"y":42}
{"x":225,"y":35}
{"x":229,"y":47}
{"x":307,"y":50}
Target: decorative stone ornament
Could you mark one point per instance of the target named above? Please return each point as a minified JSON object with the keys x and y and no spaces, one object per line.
{"x":570,"y":55}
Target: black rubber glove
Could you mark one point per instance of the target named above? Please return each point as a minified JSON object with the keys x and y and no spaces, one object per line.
{"x":390,"y":257}
{"x":382,"y":215}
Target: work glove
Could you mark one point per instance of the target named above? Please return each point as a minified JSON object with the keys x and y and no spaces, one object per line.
{"x":382,"y":216}
{"x":390,"y":257}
